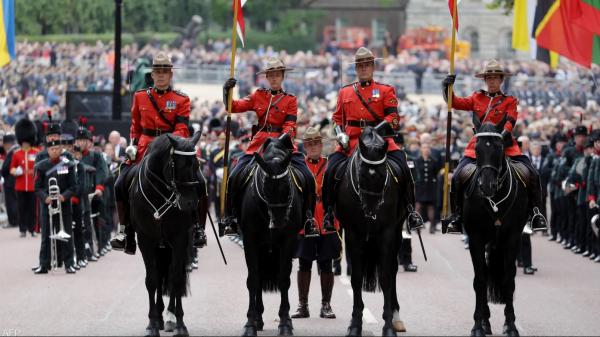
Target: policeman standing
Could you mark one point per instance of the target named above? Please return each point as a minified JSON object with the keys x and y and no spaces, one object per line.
{"x":277,"y":113}
{"x":63,"y":170}
{"x":322,"y":247}
{"x":155,"y":110}
{"x":360,"y":104}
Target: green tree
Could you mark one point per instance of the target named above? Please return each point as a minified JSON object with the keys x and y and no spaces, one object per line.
{"x":506,"y":5}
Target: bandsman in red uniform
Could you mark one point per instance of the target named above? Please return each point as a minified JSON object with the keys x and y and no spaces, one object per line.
{"x":361,"y":104}
{"x":154,"y":111}
{"x":491,"y":105}
{"x":323,"y":248}
{"x":277,"y":113}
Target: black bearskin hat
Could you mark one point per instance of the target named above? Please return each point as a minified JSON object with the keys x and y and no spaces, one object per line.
{"x":25,"y":131}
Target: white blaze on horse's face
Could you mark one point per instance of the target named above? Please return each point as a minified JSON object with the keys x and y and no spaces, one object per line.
{"x":371,"y":172}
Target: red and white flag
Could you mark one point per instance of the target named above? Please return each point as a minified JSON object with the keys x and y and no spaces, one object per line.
{"x":241,"y":28}
{"x":451,"y":7}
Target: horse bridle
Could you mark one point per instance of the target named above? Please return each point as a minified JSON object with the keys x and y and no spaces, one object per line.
{"x":499,"y":178}
{"x":171,"y":186}
{"x":361,"y":192}
{"x":270,"y":205}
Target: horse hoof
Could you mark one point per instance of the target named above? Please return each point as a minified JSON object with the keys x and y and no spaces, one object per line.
{"x":487,"y":327}
{"x":285,"y":330}
{"x":388,"y":332}
{"x":510,"y":330}
{"x":249,"y":330}
{"x":354,"y":331}
{"x":161,"y":325}
{"x":181,"y":332}
{"x":260,"y":324}
{"x":152,"y":332}
{"x":399,"y":326}
{"x":169,"y":326}
{"x":477,"y":331}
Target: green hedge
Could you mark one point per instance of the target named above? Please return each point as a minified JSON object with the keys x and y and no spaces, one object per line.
{"x":253,"y":39}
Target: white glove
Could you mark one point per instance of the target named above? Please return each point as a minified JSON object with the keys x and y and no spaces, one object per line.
{"x":18,"y":171}
{"x":343,"y":139}
{"x":131,"y":152}
{"x":593,"y":204}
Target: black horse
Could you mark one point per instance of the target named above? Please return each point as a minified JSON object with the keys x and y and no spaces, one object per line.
{"x":271,"y":217}
{"x":495,"y":212}
{"x":164,"y":190}
{"x":372,"y":211}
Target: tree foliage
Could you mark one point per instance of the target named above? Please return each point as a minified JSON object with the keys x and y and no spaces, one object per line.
{"x":505,"y":5}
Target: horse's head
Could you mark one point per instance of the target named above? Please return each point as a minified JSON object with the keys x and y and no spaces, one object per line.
{"x":175,"y":158}
{"x":372,"y":172}
{"x":274,"y":162}
{"x":489,"y":150}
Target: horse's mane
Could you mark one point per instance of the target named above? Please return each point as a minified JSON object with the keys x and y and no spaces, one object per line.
{"x":488,"y":127}
{"x":161,"y":144}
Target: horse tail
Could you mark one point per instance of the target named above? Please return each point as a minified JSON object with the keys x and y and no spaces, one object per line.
{"x":496,"y":273}
{"x":269,"y":267}
{"x":370,"y":266}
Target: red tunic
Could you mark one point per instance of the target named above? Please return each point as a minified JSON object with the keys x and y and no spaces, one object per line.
{"x":26,"y":160}
{"x":479,"y":102}
{"x":281,"y":116}
{"x":382,"y":100}
{"x":146,"y":122}
{"x":318,"y":170}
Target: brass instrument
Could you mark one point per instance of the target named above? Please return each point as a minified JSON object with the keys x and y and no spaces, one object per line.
{"x":55,"y":208}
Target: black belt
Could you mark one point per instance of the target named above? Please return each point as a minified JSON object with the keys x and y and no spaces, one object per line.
{"x":362,"y":123}
{"x":266,"y":128}
{"x":154,"y":132}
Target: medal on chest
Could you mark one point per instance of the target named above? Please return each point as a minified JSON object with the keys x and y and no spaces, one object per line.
{"x":171,"y":105}
{"x":62,"y":170}
{"x":31,"y":157}
{"x":375,"y":93}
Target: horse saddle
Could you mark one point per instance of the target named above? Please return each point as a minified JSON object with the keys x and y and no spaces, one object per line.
{"x":523,"y":171}
{"x":466,"y":173}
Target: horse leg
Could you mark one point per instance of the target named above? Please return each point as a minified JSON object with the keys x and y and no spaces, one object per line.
{"x":253,"y":285}
{"x":170,"y":323}
{"x":387,"y":258}
{"x":356,"y":280}
{"x":285,"y":322}
{"x":260,"y":308}
{"x":180,"y":328}
{"x":510,"y":271}
{"x":153,"y":323}
{"x":477,"y":250}
{"x":396,"y":321}
{"x":160,"y":304}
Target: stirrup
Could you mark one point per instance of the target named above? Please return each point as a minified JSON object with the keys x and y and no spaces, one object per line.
{"x":415,"y":221}
{"x":226,"y":226}
{"x":310,"y":228}
{"x":452,"y":224}
{"x":538,"y":221}
{"x":118,"y":242}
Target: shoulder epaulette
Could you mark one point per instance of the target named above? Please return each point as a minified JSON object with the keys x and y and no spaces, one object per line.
{"x":288,"y":94}
{"x":142,"y":90}
{"x":180,"y":93}
{"x":347,"y":85}
{"x":384,"y":84}
{"x":262,"y":89}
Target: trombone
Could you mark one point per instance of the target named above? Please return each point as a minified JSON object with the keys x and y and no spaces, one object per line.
{"x":55,"y":208}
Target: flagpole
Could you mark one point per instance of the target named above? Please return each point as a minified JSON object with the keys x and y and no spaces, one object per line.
{"x":449,"y":119}
{"x":229,"y":99}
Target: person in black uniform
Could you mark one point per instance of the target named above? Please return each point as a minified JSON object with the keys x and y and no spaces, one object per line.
{"x":550,"y":172}
{"x":405,"y":253}
{"x":63,"y":170}
{"x":10,"y":196}
{"x":426,"y":185}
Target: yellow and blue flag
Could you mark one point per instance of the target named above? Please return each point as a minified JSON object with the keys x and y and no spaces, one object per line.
{"x":7,"y":32}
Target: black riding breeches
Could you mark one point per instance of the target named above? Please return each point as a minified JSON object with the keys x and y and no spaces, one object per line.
{"x":120,"y":188}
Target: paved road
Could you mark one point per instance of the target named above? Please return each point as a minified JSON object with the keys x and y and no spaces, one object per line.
{"x":109,"y":297}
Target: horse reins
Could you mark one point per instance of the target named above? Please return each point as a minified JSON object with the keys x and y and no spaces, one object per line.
{"x":270,"y":205}
{"x":361,"y":191}
{"x":173,"y":199}
{"x":493,"y":204}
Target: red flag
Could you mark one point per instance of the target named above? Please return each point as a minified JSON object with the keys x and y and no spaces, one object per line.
{"x":451,"y":7}
{"x":241,"y":27}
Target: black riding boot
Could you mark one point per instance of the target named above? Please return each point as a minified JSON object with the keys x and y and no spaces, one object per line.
{"x":415,"y":221}
{"x":199,"y":233}
{"x":538,"y":220}
{"x":228,"y":225}
{"x":326,"y":290}
{"x":125,"y":239}
{"x":453,"y":224}
{"x":310,"y":225}
{"x":303,"y":287}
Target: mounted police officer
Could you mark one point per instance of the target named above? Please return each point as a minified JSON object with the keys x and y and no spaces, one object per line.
{"x":491,"y":106}
{"x":360,"y":104}
{"x":155,"y":111}
{"x":277,"y":113}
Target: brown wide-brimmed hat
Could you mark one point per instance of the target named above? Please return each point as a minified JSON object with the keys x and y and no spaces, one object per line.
{"x":311,"y":134}
{"x":162,"y":61}
{"x":364,"y":55}
{"x":274,"y":64}
{"x":493,"y":67}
